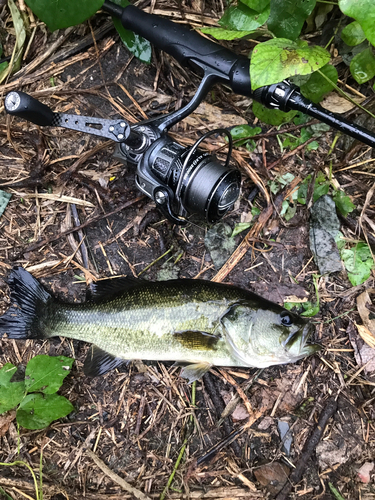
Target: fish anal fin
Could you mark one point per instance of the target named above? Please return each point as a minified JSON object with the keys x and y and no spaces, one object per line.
{"x":99,"y":362}
{"x":197,"y":340}
{"x":195,"y":371}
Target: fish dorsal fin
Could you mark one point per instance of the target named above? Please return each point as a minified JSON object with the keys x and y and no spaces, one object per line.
{"x":99,"y":362}
{"x":197,"y":340}
{"x":103,"y":289}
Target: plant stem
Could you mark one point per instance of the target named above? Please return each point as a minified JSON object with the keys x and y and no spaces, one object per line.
{"x":41,"y":474}
{"x":20,"y":462}
{"x":344,"y":94}
{"x":183,"y":448}
{"x":335,"y":492}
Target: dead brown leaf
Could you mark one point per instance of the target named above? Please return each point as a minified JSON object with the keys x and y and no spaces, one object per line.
{"x":337,"y":104}
{"x":207,"y":113}
{"x":367,"y":330}
{"x":366,"y":335}
{"x":363,"y":353}
{"x":5,"y":421}
{"x":273,"y":476}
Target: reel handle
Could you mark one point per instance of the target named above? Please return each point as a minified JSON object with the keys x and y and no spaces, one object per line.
{"x":26,"y":107}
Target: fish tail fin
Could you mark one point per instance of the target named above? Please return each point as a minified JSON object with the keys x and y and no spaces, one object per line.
{"x":27,"y":317}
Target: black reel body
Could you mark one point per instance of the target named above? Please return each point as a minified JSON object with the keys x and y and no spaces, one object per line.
{"x":183,"y":180}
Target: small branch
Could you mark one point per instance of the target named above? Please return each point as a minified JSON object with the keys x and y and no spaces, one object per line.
{"x":213,"y":391}
{"x":309,"y":448}
{"x":116,"y":478}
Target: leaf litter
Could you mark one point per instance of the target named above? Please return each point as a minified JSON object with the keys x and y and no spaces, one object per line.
{"x":137,"y":420}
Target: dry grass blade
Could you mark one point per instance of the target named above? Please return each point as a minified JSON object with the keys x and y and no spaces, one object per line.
{"x":56,"y":197}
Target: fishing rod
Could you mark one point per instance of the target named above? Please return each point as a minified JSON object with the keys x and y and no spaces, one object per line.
{"x":221,"y":65}
{"x":182,"y":180}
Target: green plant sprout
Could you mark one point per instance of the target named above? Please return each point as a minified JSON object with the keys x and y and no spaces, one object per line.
{"x":35,"y":398}
{"x":309,"y":308}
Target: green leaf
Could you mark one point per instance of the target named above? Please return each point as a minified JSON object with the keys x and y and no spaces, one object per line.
{"x":255,"y":211}
{"x":310,"y":309}
{"x":343,"y":203}
{"x":302,"y":190}
{"x":38,"y":410}
{"x":4,"y":196}
{"x":258,"y":5}
{"x":293,"y":142}
{"x":317,"y":86}
{"x":5,"y":494}
{"x":339,"y":240}
{"x":244,"y":131}
{"x":353,"y":34}
{"x":335,"y":492}
{"x":362,"y":11}
{"x":46,"y":373}
{"x":288,"y":16}
{"x":362,"y":66}
{"x":136,"y":44}
{"x":241,"y":18}
{"x":272,"y":116}
{"x":19,"y":28}
{"x":11,"y":393}
{"x":301,"y":118}
{"x":312,"y":146}
{"x":280,"y":181}
{"x":320,"y":190}
{"x":3,"y":70}
{"x":224,"y":34}
{"x":239,"y":227}
{"x":64,"y":13}
{"x":274,"y":60}
{"x":288,"y":210}
{"x":358,"y":262}
{"x":289,"y":305}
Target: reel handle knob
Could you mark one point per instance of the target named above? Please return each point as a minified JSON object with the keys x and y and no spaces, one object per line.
{"x":24,"y":106}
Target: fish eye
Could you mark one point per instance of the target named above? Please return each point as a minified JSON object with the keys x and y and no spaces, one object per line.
{"x":286,"y":320}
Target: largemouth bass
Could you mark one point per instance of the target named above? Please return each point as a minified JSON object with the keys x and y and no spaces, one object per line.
{"x":193,"y":322}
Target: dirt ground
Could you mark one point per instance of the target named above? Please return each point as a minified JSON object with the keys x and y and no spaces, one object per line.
{"x":144,"y":423}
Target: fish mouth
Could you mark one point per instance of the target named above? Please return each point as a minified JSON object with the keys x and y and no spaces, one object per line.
{"x":298,"y":341}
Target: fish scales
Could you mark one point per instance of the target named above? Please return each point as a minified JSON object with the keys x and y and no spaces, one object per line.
{"x":144,"y":322}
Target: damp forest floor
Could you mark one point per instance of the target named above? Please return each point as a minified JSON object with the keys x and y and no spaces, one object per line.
{"x":142,"y":426}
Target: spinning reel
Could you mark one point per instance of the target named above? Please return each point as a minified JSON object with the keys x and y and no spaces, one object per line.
{"x":182,"y":181}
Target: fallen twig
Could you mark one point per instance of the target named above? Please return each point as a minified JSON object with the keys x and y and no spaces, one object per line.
{"x":116,"y":478}
{"x":218,"y":402}
{"x":309,"y":448}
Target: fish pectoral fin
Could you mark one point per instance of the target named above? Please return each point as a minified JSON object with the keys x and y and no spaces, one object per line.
{"x":197,"y":340}
{"x":194,"y":371}
{"x":99,"y":362}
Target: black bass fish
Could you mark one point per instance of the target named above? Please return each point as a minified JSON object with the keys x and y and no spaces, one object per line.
{"x":196,"y":323}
